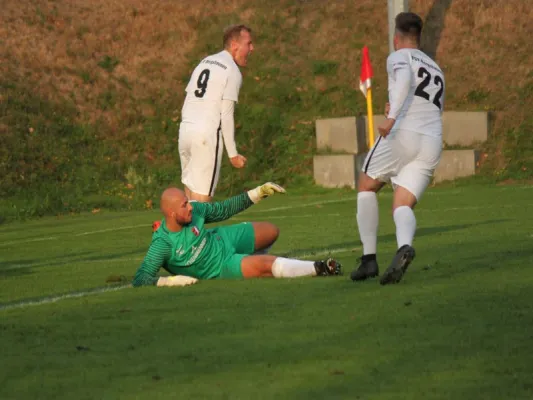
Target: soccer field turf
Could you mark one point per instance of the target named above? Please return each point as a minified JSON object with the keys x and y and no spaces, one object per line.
{"x":458,"y":326}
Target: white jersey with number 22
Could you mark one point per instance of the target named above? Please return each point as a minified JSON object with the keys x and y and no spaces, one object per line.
{"x":416,"y":102}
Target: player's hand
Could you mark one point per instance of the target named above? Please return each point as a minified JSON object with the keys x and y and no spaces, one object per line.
{"x":387,"y":109}
{"x":263,"y":191}
{"x":385,"y":127}
{"x":177,"y":280}
{"x":238,"y":161}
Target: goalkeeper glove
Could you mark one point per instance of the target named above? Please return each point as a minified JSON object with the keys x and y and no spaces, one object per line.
{"x":177,"y":280}
{"x":265,"y":190}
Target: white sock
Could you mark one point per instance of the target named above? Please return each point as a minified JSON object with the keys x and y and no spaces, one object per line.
{"x":290,"y":268}
{"x":367,"y":221}
{"x":405,"y":221}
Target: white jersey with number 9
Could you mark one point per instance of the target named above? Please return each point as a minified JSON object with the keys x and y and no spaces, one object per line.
{"x":216,"y":78}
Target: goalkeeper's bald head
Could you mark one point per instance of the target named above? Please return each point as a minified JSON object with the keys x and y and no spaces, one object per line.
{"x":175,"y":207}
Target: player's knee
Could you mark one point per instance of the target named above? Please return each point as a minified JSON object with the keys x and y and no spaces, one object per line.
{"x":402,"y":198}
{"x":367,"y":184}
{"x":266,"y":265}
{"x":395,"y":206}
{"x":274,"y":232}
{"x":269,"y":231}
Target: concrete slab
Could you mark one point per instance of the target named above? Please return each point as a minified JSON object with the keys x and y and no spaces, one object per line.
{"x":342,"y":170}
{"x":456,"y":164}
{"x":338,"y":134}
{"x":464,"y":128}
{"x":337,"y":170}
{"x":459,"y":128}
{"x":362,"y":128}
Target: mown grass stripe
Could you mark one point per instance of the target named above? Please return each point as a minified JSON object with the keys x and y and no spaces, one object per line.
{"x":104,"y":289}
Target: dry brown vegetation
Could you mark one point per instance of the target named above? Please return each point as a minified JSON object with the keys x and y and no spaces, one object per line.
{"x":485,"y":51}
{"x":120,"y":63}
{"x":141,"y":47}
{"x":57,"y":45}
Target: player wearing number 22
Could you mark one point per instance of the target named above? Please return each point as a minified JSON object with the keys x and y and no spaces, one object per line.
{"x":207,"y":115}
{"x":407,"y":151}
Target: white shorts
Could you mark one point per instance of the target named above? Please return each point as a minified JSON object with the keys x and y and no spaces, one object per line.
{"x":404,"y":158}
{"x":201,"y":158}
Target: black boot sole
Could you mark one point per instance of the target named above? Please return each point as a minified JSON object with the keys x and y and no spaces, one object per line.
{"x":398,"y":266}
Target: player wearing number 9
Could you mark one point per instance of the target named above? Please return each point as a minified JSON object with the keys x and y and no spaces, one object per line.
{"x":207,"y":115}
{"x":407,"y":152}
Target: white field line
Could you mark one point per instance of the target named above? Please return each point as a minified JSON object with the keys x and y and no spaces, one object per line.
{"x":315,"y":203}
{"x":28,"y":240}
{"x":111,"y":229}
{"x":147,"y":225}
{"x":55,"y":299}
{"x":466,"y":208}
{"x":41,"y":265}
{"x":77,"y":234}
{"x":290,"y":216}
{"x":262,"y":212}
{"x":85,"y":293}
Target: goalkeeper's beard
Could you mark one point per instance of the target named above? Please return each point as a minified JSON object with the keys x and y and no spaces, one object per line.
{"x":183,"y":221}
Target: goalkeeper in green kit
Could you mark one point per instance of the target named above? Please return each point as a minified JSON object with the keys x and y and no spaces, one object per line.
{"x":189,"y":251}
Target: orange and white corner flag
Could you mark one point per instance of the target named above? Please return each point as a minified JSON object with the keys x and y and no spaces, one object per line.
{"x":365,"y":79}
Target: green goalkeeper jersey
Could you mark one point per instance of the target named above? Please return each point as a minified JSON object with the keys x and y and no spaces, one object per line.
{"x":195,"y":250}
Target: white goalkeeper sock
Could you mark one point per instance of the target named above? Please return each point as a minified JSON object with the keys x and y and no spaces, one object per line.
{"x":290,"y":268}
{"x":405,"y":221}
{"x":367,"y":221}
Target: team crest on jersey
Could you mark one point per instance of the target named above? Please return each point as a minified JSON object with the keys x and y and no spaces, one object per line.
{"x":195,"y":230}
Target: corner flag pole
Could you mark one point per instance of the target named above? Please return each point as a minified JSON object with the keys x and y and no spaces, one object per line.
{"x":370,"y":117}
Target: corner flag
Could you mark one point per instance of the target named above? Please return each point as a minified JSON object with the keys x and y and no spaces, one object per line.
{"x":365,"y":79}
{"x":365,"y":84}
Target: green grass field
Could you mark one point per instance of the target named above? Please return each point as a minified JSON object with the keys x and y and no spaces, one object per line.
{"x":457,"y":327}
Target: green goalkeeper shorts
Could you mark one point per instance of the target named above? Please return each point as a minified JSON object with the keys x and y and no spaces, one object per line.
{"x":241,"y":237}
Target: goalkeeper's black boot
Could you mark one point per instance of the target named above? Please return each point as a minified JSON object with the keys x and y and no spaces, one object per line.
{"x":398,"y":266}
{"x":367,"y":269}
{"x":328,"y":267}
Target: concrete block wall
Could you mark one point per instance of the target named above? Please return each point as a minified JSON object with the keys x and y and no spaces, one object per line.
{"x":337,"y":170}
{"x":456,"y":164}
{"x":348,"y":136}
{"x":340,"y":135}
